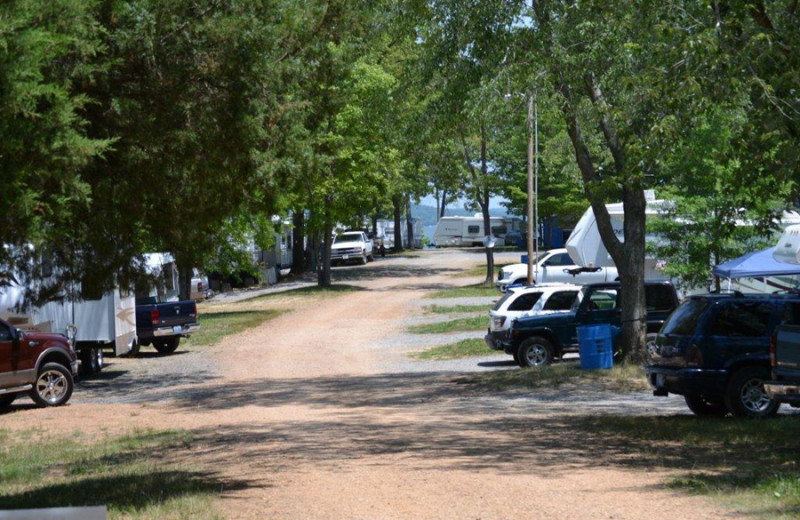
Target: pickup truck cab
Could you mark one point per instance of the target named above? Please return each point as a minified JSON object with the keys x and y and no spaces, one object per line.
{"x":715,"y":351}
{"x":352,"y":246}
{"x":555,"y":266}
{"x":38,"y":364}
{"x":527,"y":301}
{"x":537,"y":340}
{"x":164,"y":324}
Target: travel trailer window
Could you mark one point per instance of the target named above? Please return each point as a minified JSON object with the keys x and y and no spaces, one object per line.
{"x":473,"y":229}
{"x":499,"y":231}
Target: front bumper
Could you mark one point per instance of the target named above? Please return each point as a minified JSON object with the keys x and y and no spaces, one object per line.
{"x":687,"y":381}
{"x":783,"y":392}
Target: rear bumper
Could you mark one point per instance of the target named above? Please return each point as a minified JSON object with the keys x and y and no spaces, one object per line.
{"x":161,"y":332}
{"x":494,"y":339}
{"x":687,"y":381}
{"x":783,"y":392}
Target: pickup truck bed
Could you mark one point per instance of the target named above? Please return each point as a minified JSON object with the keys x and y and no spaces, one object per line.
{"x":163,"y":324}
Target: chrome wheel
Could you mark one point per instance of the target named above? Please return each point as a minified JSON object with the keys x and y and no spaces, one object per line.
{"x":52,"y":386}
{"x":754,"y":397}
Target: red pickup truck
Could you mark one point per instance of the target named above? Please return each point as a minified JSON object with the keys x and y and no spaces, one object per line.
{"x":38,"y":364}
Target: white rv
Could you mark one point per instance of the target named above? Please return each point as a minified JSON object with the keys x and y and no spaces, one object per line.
{"x":385,"y":230}
{"x":93,"y":324}
{"x":468,"y":231}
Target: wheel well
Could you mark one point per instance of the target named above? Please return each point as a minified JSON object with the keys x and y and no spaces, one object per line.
{"x":54,"y":357}
{"x":746,"y":363}
{"x":549,"y":336}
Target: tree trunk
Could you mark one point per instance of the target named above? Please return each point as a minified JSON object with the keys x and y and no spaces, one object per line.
{"x":184,"y":279}
{"x":398,"y":237}
{"x":409,"y":224}
{"x":444,"y":203}
{"x":298,"y":242}
{"x":324,"y":274}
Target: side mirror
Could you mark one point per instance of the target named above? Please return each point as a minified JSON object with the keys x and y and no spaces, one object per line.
{"x":16,"y":333}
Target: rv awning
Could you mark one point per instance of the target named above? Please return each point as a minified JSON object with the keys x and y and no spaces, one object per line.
{"x":759,"y":264}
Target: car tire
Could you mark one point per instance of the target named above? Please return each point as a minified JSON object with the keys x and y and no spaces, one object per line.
{"x":364,"y":260}
{"x":6,"y":400}
{"x":134,"y":352}
{"x":167,"y":346}
{"x":99,"y":359}
{"x":535,"y":352}
{"x":371,"y":257}
{"x":53,"y":385}
{"x":516,"y":357}
{"x":745,"y":395}
{"x":702,"y":407}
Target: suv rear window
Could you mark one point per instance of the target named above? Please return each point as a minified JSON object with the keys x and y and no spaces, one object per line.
{"x":684,"y":320}
{"x":658,"y":297}
{"x":560,"y":301}
{"x":742,"y":319}
{"x":525,"y":302}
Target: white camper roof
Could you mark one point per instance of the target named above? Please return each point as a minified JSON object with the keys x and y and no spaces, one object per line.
{"x":788,"y":248}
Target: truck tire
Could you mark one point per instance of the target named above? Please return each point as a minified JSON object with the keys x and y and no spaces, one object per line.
{"x":6,"y":400}
{"x":745,"y":395}
{"x":53,"y":385}
{"x":371,"y":257}
{"x":99,"y":359}
{"x":702,"y":407}
{"x":167,"y":346}
{"x":364,"y":260}
{"x":535,"y":352}
{"x":134,"y":352}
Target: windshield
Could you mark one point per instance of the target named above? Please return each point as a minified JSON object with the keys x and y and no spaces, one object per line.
{"x":348,"y":237}
{"x":684,"y":320}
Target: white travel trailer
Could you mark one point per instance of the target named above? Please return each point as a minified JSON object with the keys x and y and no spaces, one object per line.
{"x":788,"y":248}
{"x":468,"y":231}
{"x":92,"y":323}
{"x":385,"y":229}
{"x":586,"y":247}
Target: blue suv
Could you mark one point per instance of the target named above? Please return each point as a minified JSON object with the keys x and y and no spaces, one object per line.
{"x":714,"y":350}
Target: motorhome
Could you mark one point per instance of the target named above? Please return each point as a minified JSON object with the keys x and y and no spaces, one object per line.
{"x":468,"y":231}
{"x":586,"y":247}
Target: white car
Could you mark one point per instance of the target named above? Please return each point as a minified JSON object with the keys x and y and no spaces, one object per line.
{"x":528,"y":301}
{"x":555,"y":266}
{"x":351,"y":245}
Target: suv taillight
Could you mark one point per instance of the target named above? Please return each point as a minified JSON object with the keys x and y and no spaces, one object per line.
{"x":154,"y":317}
{"x":199,"y":286}
{"x":773,"y":345}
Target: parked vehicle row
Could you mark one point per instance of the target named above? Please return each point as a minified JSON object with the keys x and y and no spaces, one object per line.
{"x":554,"y":266}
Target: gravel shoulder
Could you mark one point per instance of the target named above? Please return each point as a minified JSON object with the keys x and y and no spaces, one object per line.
{"x":323,"y":415}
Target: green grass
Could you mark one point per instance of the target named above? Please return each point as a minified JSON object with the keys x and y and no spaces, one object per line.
{"x":455,"y":309}
{"x":314,"y":291}
{"x":214,"y":326}
{"x":457,"y":325}
{"x":462,"y":349}
{"x":466,"y":292}
{"x":480,"y":270}
{"x":567,"y":375}
{"x":130,"y":474}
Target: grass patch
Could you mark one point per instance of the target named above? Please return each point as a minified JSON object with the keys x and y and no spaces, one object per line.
{"x":313,"y":291}
{"x":466,"y":292}
{"x":462,"y":349}
{"x":214,"y":326}
{"x":458,"y":325}
{"x":454,"y":309}
{"x":129,"y":474}
{"x":749,"y":465}
{"x":566,"y":374}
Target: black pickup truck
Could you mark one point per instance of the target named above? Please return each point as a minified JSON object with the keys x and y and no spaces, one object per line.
{"x":785,"y":357}
{"x":164,"y":324}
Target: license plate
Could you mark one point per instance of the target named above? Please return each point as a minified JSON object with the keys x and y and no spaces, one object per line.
{"x":345,"y":257}
{"x":177,"y":329}
{"x":659,"y":380}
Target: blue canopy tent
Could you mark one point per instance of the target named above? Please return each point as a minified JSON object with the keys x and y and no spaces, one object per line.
{"x":756,"y":265}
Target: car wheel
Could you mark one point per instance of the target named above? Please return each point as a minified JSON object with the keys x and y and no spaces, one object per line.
{"x":745,"y":395}
{"x":535,"y":352}
{"x":371,"y":257}
{"x":53,"y":386}
{"x":167,"y":346}
{"x":516,"y":357}
{"x":703,"y":407}
{"x":6,"y":400}
{"x":364,"y":260}
{"x":99,"y":359}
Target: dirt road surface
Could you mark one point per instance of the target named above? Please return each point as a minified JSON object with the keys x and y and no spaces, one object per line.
{"x":321,"y":414}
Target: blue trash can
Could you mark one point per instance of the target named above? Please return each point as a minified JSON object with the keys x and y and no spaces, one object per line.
{"x":596,"y":346}
{"x":523,"y":259}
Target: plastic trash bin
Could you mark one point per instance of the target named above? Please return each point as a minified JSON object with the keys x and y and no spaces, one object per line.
{"x":595,"y":346}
